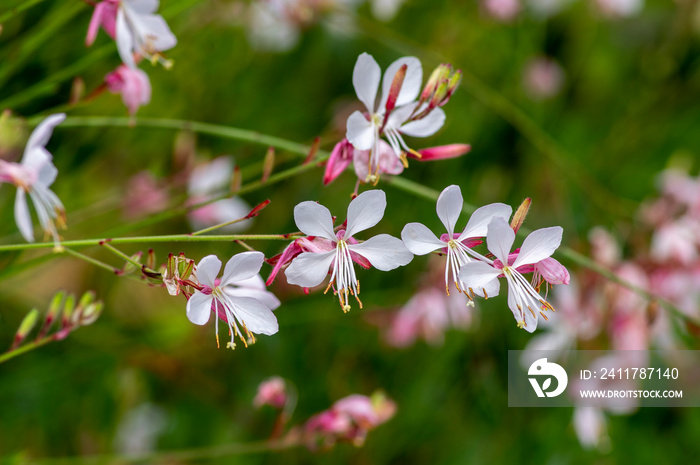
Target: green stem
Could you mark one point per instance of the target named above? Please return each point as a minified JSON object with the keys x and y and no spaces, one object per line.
{"x":185,"y":455}
{"x":92,"y":261}
{"x":18,"y":9}
{"x":147,"y":239}
{"x":25,"y":348}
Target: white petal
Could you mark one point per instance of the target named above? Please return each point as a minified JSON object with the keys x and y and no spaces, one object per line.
{"x":125,"y":40}
{"x":479,"y":276}
{"x":365,"y":79}
{"x":539,"y":245}
{"x":360,"y":132}
{"x":36,"y":158}
{"x":142,"y":6}
{"x":449,"y":206}
{"x":400,"y":115}
{"x":42,"y":133}
{"x":420,"y":240}
{"x":199,"y":308}
{"x":384,"y":252}
{"x":482,"y":216}
{"x":314,"y":220}
{"x":22,"y":218}
{"x":242,"y":266}
{"x":210,"y":178}
{"x":208,"y":269}
{"x":309,"y":269}
{"x":365,"y":211}
{"x":153,"y":31}
{"x":257,"y":317}
{"x":47,"y":173}
{"x":411,"y":83}
{"x":425,"y":127}
{"x":499,"y":239}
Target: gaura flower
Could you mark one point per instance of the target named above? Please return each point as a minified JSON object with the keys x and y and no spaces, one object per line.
{"x":383,"y":252}
{"x":397,"y":112}
{"x":523,"y":299}
{"x":133,"y":85}
{"x":33,"y":176}
{"x":139,"y":31}
{"x":244,"y":309}
{"x":272,"y":392}
{"x":421,"y":241}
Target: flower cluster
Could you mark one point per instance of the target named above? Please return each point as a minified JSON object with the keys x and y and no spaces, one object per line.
{"x":139,"y":33}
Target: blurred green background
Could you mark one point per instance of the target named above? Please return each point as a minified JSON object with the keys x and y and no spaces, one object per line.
{"x":587,"y":156}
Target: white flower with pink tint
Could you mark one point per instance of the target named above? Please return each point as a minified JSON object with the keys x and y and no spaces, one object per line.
{"x":140,"y":31}
{"x":133,"y":85}
{"x":384,"y":252}
{"x":543,"y":78}
{"x":244,"y":308}
{"x":398,"y":111}
{"x":523,"y":300}
{"x":210,"y":180}
{"x":33,"y":176}
{"x":421,"y":241}
{"x":272,"y":392}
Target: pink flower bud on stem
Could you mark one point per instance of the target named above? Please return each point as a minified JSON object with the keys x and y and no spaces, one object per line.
{"x":312,"y":152}
{"x":394,"y":90}
{"x":257,"y":209}
{"x":53,"y":313}
{"x":442,"y":152}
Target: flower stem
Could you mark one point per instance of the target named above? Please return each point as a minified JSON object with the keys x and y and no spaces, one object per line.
{"x":25,"y":348}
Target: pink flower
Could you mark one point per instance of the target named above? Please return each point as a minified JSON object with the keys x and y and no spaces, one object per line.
{"x":133,"y":85}
{"x":105,"y":15}
{"x":272,"y":392}
{"x":543,"y":78}
{"x":502,"y":10}
{"x":144,"y":195}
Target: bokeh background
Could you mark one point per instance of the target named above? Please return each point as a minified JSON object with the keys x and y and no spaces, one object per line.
{"x":584,"y":135}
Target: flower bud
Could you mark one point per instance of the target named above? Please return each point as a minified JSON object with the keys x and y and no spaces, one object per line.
{"x":443,"y":152}
{"x":520,"y":214}
{"x":395,"y":89}
{"x":90,"y":313}
{"x":151,"y":259}
{"x":268,"y":164}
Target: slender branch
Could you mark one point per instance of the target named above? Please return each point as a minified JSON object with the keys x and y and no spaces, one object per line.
{"x":26,"y":348}
{"x":148,"y":239}
{"x":92,"y":261}
{"x":184,"y":455}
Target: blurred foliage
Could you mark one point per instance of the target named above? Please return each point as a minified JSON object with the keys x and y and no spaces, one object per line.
{"x":628,"y":109}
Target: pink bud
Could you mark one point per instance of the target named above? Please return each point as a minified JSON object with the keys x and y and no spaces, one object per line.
{"x":442,"y":152}
{"x":272,"y":392}
{"x":340,"y":158}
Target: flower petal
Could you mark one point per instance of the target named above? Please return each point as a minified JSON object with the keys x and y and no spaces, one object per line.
{"x":42,"y":133}
{"x":524,"y":315}
{"x":309,"y":269}
{"x":143,"y":6}
{"x":478,"y":223}
{"x":125,"y":40}
{"x":199,"y":308}
{"x":256,"y":316}
{"x":426,"y":126}
{"x":153,"y":31}
{"x":242,"y":266}
{"x":500,"y":238}
{"x":365,"y":79}
{"x":552,"y":271}
{"x":539,"y":245}
{"x":384,"y":252}
{"x":22,"y":217}
{"x":419,"y":239}
{"x":479,"y":276}
{"x":253,"y":287}
{"x":411,"y":83}
{"x":365,"y":211}
{"x":314,"y":219}
{"x":208,"y":269}
{"x":449,"y":207}
{"x":360,"y":131}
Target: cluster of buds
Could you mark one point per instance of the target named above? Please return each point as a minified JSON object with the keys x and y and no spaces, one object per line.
{"x":178,"y":275}
{"x":439,"y":89}
{"x":62,"y":308}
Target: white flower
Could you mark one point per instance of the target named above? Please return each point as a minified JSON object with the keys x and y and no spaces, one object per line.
{"x":33,"y":176}
{"x":238,"y":299}
{"x":140,"y":31}
{"x":421,"y":241}
{"x":364,"y":131}
{"x":523,"y":299}
{"x":384,"y":252}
